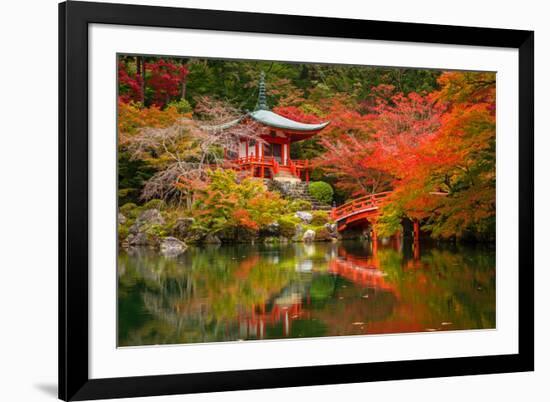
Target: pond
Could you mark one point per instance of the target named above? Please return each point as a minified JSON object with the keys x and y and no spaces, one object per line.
{"x":251,"y":292}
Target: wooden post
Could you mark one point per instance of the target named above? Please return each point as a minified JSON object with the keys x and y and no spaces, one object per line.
{"x":307,"y":171}
{"x":416,"y":230}
{"x":262,"y":171}
{"x":246,"y":148}
{"x":416,"y":240}
{"x":374,"y":236}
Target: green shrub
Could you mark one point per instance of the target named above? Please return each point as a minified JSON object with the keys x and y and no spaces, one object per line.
{"x":322,"y":233}
{"x":321,"y":191}
{"x":287,"y":225}
{"x":154,"y":204}
{"x":319,"y":218}
{"x":182,"y":106}
{"x":299,"y":205}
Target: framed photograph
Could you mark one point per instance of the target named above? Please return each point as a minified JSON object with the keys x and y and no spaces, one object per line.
{"x":258,"y":201}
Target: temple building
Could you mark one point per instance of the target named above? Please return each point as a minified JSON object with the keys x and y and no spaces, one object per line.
{"x":271,"y":159}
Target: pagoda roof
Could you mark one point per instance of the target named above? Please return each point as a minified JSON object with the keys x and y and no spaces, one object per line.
{"x":275,"y":120}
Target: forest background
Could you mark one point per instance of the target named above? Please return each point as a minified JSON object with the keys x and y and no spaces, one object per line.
{"x":426,"y":135}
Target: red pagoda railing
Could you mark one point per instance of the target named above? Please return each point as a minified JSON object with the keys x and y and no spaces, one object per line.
{"x":296,"y":167}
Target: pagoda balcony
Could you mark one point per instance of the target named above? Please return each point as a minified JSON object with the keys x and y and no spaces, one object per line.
{"x":272,"y":167}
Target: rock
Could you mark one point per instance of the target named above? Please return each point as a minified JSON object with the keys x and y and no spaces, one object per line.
{"x":211,"y":239}
{"x":150,"y":217}
{"x":172,"y":247}
{"x":182,"y":228}
{"x":146,"y":220}
{"x":272,"y":229}
{"x":121,"y":219}
{"x":331,"y":227}
{"x":306,"y":217}
{"x":309,"y":235}
{"x":139,"y":239}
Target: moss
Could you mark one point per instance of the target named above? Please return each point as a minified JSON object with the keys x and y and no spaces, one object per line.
{"x":299,"y":205}
{"x":157,"y":231}
{"x":287,"y":225}
{"x":130,"y":210}
{"x":319,"y":218}
{"x":154,"y":204}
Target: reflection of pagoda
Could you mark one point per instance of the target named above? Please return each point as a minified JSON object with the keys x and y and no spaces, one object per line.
{"x":272,"y":157}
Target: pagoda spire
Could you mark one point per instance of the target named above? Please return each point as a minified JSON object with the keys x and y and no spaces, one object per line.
{"x":262,"y":99}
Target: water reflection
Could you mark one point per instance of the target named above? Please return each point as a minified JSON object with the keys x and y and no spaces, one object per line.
{"x":228,"y":293}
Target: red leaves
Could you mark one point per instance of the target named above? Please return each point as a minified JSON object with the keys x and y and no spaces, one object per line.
{"x":163,"y":79}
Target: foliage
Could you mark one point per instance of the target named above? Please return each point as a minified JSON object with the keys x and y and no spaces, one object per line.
{"x":321,"y":191}
{"x":182,"y":106}
{"x":287,"y":225}
{"x":226,"y":203}
{"x":154,"y":204}
{"x":319,"y":218}
{"x":156,"y":81}
{"x":298,"y":205}
{"x":429,"y":136}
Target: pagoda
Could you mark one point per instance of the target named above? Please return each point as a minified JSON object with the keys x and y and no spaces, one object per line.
{"x":271,"y":158}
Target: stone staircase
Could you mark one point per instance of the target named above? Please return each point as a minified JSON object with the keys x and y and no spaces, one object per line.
{"x":296,"y":191}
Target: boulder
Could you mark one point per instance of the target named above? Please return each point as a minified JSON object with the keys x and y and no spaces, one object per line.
{"x":146,"y":220}
{"x":140,"y":239}
{"x":306,"y":217}
{"x":211,"y":239}
{"x":309,"y":236}
{"x":171,"y":246}
{"x":121,"y":219}
{"x":150,"y":217}
{"x":182,"y":228}
{"x":331,"y":227}
{"x":273,"y":229}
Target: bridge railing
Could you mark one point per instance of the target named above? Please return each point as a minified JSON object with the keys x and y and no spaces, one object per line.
{"x":359,"y":204}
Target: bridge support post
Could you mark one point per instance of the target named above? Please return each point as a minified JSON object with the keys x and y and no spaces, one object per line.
{"x":416,"y":230}
{"x":374,"y":237}
{"x":416,"y":241}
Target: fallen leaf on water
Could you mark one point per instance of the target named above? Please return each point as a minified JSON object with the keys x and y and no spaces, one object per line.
{"x":340,"y":297}
{"x":365,"y":296}
{"x":358,"y":323}
{"x":446,"y":323}
{"x":431,"y":329}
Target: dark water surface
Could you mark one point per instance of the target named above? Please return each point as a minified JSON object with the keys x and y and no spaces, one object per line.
{"x":241,"y":292}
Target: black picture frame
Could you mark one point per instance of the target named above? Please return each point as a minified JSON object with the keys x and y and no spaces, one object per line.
{"x":74,"y":381}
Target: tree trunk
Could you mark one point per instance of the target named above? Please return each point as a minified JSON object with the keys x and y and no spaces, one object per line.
{"x":142,"y":73}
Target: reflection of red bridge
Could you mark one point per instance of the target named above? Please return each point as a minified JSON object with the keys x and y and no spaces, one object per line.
{"x":362,"y":271}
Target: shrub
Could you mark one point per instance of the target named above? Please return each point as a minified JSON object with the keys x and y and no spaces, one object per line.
{"x":182,"y":106}
{"x":287,"y":226}
{"x":319,"y":218}
{"x":321,"y":191}
{"x":299,"y":205}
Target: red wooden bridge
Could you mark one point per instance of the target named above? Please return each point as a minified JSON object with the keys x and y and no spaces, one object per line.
{"x":360,"y":210}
